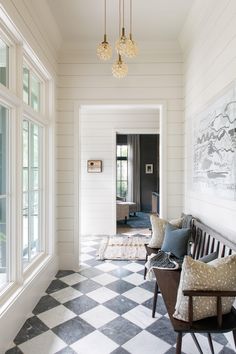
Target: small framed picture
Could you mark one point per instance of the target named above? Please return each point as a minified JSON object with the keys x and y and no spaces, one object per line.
{"x":94,"y":166}
{"x":149,"y":168}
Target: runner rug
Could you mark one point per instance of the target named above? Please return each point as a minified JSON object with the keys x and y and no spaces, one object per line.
{"x":123,"y":247}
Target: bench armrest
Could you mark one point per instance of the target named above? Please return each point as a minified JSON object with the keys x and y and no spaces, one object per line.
{"x":208,"y":293}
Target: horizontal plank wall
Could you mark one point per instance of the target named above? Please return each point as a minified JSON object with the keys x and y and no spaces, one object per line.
{"x":152,"y":76}
{"x":209,"y":45}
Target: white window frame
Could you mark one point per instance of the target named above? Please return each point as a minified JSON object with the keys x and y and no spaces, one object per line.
{"x":9,"y":41}
{"x":41,"y":190}
{"x":7,"y":197}
{"x":12,"y":98}
{"x":11,"y":191}
{"x":34,"y":70}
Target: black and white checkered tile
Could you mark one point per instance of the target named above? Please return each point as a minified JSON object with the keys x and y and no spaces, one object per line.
{"x":105,"y":308}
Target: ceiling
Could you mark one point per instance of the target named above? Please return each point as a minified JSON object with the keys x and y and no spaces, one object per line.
{"x":153,"y":20}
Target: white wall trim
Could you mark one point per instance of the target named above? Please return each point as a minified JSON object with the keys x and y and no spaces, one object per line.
{"x":24,"y":299}
{"x":161,"y":106}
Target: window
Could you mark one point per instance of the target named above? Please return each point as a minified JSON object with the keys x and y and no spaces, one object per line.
{"x":31,"y":89}
{"x":26,"y":172}
{"x":4,"y":63}
{"x":122,"y":171}
{"x":3,"y":195}
{"x":32,"y":134}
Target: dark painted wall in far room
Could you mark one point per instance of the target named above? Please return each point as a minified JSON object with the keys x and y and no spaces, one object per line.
{"x":149,"y":154}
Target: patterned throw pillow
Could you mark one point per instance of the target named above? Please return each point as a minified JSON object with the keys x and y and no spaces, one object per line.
{"x":219,"y":274}
{"x":177,"y":222}
{"x":158,"y":229}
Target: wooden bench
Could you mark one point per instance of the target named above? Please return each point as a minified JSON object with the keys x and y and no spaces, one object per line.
{"x":205,"y":241}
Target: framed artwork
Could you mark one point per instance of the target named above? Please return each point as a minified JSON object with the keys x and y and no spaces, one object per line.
{"x":149,"y":168}
{"x":214,"y":146}
{"x":94,"y":166}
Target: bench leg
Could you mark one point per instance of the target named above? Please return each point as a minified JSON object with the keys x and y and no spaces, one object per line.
{"x":179,"y":343}
{"x":210,"y":343}
{"x":234,"y":335}
{"x":197,"y":343}
{"x":155,"y":300}
{"x":145,"y":269}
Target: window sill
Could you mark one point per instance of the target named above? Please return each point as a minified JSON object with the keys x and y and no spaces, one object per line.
{"x":13,"y":290}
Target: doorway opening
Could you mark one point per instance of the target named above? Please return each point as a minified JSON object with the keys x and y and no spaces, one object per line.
{"x":137,"y":182}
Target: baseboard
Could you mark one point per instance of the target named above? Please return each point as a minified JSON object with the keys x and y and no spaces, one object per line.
{"x":23,"y":303}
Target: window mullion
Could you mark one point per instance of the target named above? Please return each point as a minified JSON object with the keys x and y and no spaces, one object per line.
{"x":30,"y":150}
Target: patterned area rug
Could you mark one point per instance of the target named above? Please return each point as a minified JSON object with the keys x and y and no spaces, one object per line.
{"x":122,"y":247}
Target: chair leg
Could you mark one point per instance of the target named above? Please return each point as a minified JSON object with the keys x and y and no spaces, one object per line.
{"x":234,"y":335}
{"x":145,"y":269}
{"x":155,"y":300}
{"x":210,"y":343}
{"x":179,"y":343}
{"x":197,"y":343}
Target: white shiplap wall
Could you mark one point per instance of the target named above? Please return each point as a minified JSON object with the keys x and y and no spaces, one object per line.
{"x":209,"y":45}
{"x":155,"y":76}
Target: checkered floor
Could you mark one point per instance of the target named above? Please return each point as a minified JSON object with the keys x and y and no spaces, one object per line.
{"x":103,"y":309}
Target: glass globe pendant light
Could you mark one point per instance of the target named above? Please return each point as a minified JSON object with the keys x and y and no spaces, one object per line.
{"x":104,"y":50}
{"x":131,"y":47}
{"x":121,"y":43}
{"x":119,"y":68}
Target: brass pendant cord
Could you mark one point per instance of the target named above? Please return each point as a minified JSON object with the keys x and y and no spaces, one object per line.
{"x":130,"y":14}
{"x":123,"y":14}
{"x":105,"y":17}
{"x":119,"y":17}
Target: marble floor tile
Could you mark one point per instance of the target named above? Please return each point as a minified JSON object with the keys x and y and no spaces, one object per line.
{"x":73,"y":279}
{"x":73,"y":330}
{"x":120,"y":286}
{"x":81,"y":304}
{"x":134,"y":267}
{"x":120,"y":304}
{"x":66,"y":294}
{"x":120,"y":330}
{"x":106,"y":267}
{"x":102,"y":295}
{"x":138,"y":294}
{"x":145,"y":342}
{"x":99,"y":316}
{"x":31,"y":328}
{"x":86,"y":286}
{"x":56,"y":316}
{"x":135,"y":279}
{"x":189,"y":345}
{"x":95,"y":343}
{"x":140,"y":316}
{"x":55,"y":285}
{"x":47,"y":342}
{"x":104,"y":279}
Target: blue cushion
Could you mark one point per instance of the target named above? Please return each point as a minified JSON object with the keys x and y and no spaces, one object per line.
{"x":176,"y":240}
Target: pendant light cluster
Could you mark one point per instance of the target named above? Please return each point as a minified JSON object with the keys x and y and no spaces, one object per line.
{"x":125,"y":46}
